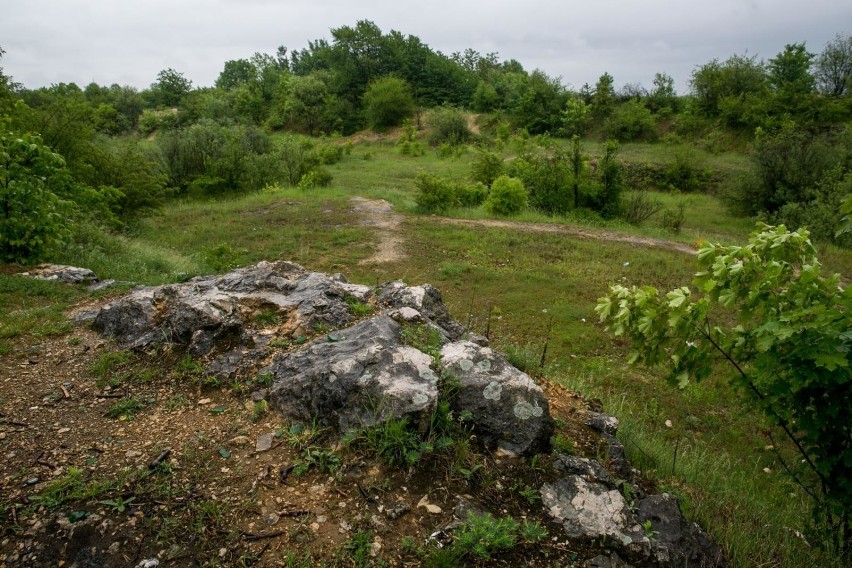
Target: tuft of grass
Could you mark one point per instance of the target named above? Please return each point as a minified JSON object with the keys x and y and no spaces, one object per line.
{"x":423,"y":337}
{"x":358,"y":307}
{"x":483,"y":536}
{"x":125,"y":408}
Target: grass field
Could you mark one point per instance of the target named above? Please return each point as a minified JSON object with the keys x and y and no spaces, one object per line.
{"x":525,"y":289}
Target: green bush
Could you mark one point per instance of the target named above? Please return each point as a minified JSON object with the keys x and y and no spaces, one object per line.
{"x":434,"y":195}
{"x":33,"y":218}
{"x":448,"y":125}
{"x":387,"y":102}
{"x":482,"y":536}
{"x":470,"y":194}
{"x":486,"y":167}
{"x":508,"y":196}
{"x":631,"y":121}
{"x":548,"y":179}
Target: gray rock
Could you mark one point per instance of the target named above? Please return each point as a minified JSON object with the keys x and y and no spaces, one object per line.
{"x":616,"y":458}
{"x":359,"y":379}
{"x":507,"y":409}
{"x":594,"y":512}
{"x":264,"y":442}
{"x":611,"y":560}
{"x":398,"y":510}
{"x":676,"y":541}
{"x":243,"y":306}
{"x":601,"y":422}
{"x":426,"y":300}
{"x":62,"y":273}
{"x":588,"y":469}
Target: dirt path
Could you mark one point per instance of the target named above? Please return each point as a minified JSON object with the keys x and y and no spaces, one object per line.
{"x":379,"y":213}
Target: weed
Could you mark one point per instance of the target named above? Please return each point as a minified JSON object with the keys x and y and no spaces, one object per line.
{"x":109,"y":362}
{"x":325,"y":461}
{"x":408,"y":545}
{"x":188,"y":368}
{"x":649,"y":532}
{"x":531,"y":494}
{"x":532,"y":531}
{"x":358,"y":548}
{"x":423,"y":337}
{"x":394,"y":442}
{"x":259,"y":410}
{"x":279,"y":343}
{"x":483,"y":535}
{"x":71,"y":487}
{"x":561,"y":444}
{"x":125,"y":408}
{"x":321,"y":327}
{"x":358,"y":307}
{"x":119,"y":504}
{"x":177,"y":402}
{"x":267,"y":317}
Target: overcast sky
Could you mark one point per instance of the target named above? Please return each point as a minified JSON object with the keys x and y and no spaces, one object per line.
{"x":130,"y":41}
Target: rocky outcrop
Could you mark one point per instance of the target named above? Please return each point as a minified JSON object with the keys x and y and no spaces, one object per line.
{"x":68,"y":275}
{"x":333,"y":368}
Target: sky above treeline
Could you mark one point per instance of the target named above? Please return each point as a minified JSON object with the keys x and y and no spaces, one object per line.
{"x":129,"y":41}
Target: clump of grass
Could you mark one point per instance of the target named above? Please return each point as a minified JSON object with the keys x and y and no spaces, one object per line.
{"x":483,"y":536}
{"x":358,"y":307}
{"x":267,"y":317}
{"x":423,"y":337}
{"x":562,"y":444}
{"x":125,"y":408}
{"x":394,"y":442}
{"x":259,"y":410}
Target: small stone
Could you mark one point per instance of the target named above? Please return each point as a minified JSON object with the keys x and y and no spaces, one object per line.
{"x":398,"y":510}
{"x":205,"y":401}
{"x":264,"y":442}
{"x":432,"y":508}
{"x":132,"y":454}
{"x":63,"y":430}
{"x":271,"y":519}
{"x":240,"y":441}
{"x":223,"y":552}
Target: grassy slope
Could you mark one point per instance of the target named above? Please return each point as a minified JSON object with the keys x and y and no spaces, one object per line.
{"x":514,"y":277}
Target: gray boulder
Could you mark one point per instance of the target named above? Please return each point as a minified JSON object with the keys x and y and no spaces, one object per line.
{"x":507,"y":409}
{"x":62,"y":273}
{"x":355,"y":377}
{"x":593,"y":512}
{"x":676,"y":541}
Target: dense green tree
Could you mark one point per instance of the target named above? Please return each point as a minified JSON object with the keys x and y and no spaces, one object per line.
{"x":33,"y":218}
{"x":603,"y":100}
{"x":236,"y":73}
{"x":736,"y":91}
{"x":387,"y":102}
{"x":576,"y":115}
{"x":663,"y":94}
{"x":791,"y":79}
{"x":833,"y":67}
{"x":540,"y":104}
{"x":170,"y":87}
{"x":309,"y":105}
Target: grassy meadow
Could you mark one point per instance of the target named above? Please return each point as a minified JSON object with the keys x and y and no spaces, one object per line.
{"x":524,"y":289}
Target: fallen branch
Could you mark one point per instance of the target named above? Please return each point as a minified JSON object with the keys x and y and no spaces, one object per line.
{"x":261,"y":536}
{"x":164,"y":455}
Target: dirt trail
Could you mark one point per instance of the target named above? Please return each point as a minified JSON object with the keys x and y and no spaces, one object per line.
{"x":379,"y":213}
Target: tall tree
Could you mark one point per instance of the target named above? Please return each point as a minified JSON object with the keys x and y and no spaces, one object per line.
{"x":833,"y":67}
{"x":170,"y":87}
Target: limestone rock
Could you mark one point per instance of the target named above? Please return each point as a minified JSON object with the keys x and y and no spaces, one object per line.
{"x":507,"y":409}
{"x":591,"y":511}
{"x":676,"y":542}
{"x":360,"y":378}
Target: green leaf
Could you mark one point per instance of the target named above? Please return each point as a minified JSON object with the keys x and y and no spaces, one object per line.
{"x":216,"y":410}
{"x":224,"y":453}
{"x":831,"y":361}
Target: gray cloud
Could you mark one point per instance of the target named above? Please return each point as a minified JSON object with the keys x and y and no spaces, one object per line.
{"x":130,"y":41}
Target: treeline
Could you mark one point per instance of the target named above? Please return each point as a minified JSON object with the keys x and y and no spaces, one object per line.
{"x":110,"y":154}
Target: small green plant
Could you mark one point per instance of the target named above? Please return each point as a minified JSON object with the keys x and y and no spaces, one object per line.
{"x":125,"y":408}
{"x":649,"y":532}
{"x":259,"y":410}
{"x":279,"y":343}
{"x":109,"y":362}
{"x":188,"y":368}
{"x":408,"y":545}
{"x":266,"y":317}
{"x":561,"y":444}
{"x":358,"y":548}
{"x":483,"y":536}
{"x":119,"y":504}
{"x":394,"y":442}
{"x":532,"y":531}
{"x":177,"y":402}
{"x":358,"y":307}
{"x":423,"y":337}
{"x":325,"y":461}
{"x":530,"y":493}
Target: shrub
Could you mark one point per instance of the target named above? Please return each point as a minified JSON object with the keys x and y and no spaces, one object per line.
{"x":672,"y":219}
{"x":639,"y":208}
{"x":470,"y":194}
{"x":32,"y":216}
{"x":548,"y":179}
{"x":631,"y":121}
{"x":486,"y":167}
{"x":685,"y":173}
{"x":434,"y":195}
{"x":508,"y":196}
{"x":408,"y":144}
{"x":448,"y":125}
{"x":387,"y":102}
